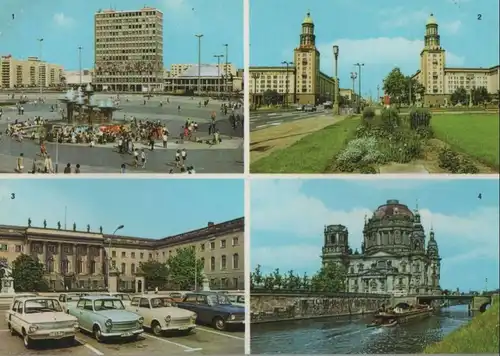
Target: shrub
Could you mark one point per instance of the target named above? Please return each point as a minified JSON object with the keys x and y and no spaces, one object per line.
{"x":359,"y":152}
{"x":390,"y":119}
{"x":420,"y":117}
{"x":467,"y":167}
{"x":368,"y":113}
{"x":449,"y":160}
{"x":368,"y":170}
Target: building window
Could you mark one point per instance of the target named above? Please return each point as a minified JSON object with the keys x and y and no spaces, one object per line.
{"x":79,"y":266}
{"x":19,"y":248}
{"x":142,"y":255}
{"x":64,"y":266}
{"x":124,"y":268}
{"x":132,"y":268}
{"x":202,"y":260}
{"x":92,"y":267}
{"x":235,"y":282}
{"x":202,"y":247}
{"x":50,"y":265}
{"x":223,"y":262}
{"x":113,"y":264}
{"x":132,"y":254}
{"x":124,"y":254}
{"x":235,"y":241}
{"x":212,"y":245}
{"x":150,"y":256}
{"x":222,"y":243}
{"x":236,"y":261}
{"x":212,"y":263}
{"x":113,"y":254}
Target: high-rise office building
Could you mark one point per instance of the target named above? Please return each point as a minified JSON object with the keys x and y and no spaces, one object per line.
{"x":129,"y":50}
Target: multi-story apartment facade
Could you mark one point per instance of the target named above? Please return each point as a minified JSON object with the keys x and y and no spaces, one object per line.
{"x":302,"y":80}
{"x":79,"y":259}
{"x":29,"y":73}
{"x":441,"y":81}
{"x":129,"y":50}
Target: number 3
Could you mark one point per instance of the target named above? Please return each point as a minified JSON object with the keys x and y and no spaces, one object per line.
{"x":479,"y":16}
{"x":13,"y":196}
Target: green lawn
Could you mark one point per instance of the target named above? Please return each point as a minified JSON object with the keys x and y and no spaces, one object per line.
{"x":312,"y":154}
{"x":480,"y":336}
{"x":475,"y":135}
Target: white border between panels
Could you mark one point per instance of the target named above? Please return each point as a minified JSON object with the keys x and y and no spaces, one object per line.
{"x":246,"y":85}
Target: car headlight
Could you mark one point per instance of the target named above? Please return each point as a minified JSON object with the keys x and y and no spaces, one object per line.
{"x":140,"y":320}
{"x":76,"y":326}
{"x":168,"y":319}
{"x":109,"y":324}
{"x":232,"y":317}
{"x":32,"y":328}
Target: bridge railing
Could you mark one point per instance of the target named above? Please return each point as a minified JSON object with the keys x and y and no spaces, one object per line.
{"x":305,"y":293}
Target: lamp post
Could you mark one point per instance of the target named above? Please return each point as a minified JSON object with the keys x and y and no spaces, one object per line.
{"x":354,"y":75}
{"x":199,"y":36}
{"x":109,"y":252}
{"x":255,"y":76}
{"x":218,"y":56}
{"x":80,"y":62}
{"x":226,"y":89}
{"x":378,"y":94}
{"x":286,"y":82}
{"x":469,"y":80}
{"x":40,"y":40}
{"x":336,"y":106}
{"x":359,"y":65}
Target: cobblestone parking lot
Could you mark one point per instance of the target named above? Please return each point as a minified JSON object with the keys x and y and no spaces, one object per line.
{"x":203,"y":341}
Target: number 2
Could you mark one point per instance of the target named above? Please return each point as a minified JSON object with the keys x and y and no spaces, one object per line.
{"x":479,"y":16}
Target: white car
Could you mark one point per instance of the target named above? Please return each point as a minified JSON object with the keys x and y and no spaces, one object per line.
{"x":17,"y":297}
{"x":41,"y":318}
{"x":160,"y":315}
{"x":237,"y":299}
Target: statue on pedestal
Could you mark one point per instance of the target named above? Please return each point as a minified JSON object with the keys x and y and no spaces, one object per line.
{"x":44,"y":223}
{"x":205,"y":283}
{"x":88,"y":228}
{"x":29,"y":222}
{"x":74,"y":226}
{"x":58,"y":225}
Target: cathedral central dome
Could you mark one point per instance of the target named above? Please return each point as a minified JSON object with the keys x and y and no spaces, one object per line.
{"x":392,"y":207}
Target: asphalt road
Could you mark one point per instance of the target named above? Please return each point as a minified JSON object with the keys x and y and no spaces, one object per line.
{"x":205,"y":159}
{"x":204,"y":341}
{"x":259,"y":121}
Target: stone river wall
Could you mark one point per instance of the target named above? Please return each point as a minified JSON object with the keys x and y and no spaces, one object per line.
{"x":276,"y":306}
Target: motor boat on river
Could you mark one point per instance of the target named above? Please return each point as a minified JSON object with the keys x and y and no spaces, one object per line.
{"x":400,"y":314}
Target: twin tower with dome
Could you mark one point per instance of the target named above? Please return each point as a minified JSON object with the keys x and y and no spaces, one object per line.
{"x":394,"y":257}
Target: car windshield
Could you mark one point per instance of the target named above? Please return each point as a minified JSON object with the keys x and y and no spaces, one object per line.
{"x":218,"y":299}
{"x":107,"y":304}
{"x":161,"y":302}
{"x":122,"y":296}
{"x":41,"y":305}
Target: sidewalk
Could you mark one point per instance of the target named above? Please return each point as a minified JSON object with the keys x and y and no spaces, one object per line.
{"x":8,"y":165}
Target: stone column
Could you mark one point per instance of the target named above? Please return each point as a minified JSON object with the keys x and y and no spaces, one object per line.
{"x":44,"y":254}
{"x":57,"y":258}
{"x":99,"y":269}
{"x":75,"y":246}
{"x":28,"y":248}
{"x":87,"y":261}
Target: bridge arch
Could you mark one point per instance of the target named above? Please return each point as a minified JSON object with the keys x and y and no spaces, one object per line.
{"x":484,"y":307}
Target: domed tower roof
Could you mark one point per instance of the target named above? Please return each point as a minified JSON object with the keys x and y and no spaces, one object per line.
{"x":391,"y":208}
{"x":431,"y":20}
{"x":308,"y":19}
{"x":432,"y":246}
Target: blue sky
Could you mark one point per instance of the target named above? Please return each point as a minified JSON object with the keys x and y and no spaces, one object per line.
{"x":288,"y":216}
{"x":151,"y":208}
{"x":65,"y":25}
{"x":381,"y":34}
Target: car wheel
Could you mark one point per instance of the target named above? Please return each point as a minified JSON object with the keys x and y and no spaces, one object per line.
{"x":156,"y":327}
{"x":98,"y":334}
{"x":219,"y":323}
{"x":70,"y":341}
{"x":28,"y":343}
{"x":12,"y":331}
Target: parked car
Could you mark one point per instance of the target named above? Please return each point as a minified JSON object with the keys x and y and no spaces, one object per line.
{"x":124,"y":297}
{"x":327,"y":105}
{"x":213,"y":309}
{"x":300,"y":108}
{"x":237,"y":299}
{"x":41,"y":318}
{"x":176,"y":296}
{"x":105,"y":317}
{"x":70,"y":299}
{"x":160,"y":315}
{"x":309,"y":108}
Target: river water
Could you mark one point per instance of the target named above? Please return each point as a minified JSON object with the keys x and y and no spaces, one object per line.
{"x":350,"y":335}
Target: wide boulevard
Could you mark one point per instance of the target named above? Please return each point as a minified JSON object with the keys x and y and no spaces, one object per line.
{"x":203,"y":341}
{"x":265,"y":119}
{"x":227,"y":157}
{"x":351,"y":336}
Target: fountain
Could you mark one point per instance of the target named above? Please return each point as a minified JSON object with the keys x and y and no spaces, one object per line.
{"x":69,"y":99}
{"x":83,"y":99}
{"x":107,"y":108}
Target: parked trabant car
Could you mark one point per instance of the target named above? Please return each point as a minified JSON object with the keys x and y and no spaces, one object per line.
{"x":213,"y":309}
{"x":41,"y":318}
{"x":124,"y":297}
{"x":70,"y":299}
{"x":17,"y":297}
{"x":161,"y":315}
{"x":106,"y":318}
{"x":237,"y":299}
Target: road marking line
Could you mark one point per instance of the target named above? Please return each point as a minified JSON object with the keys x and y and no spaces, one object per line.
{"x":192,"y":350}
{"x":187,"y":348}
{"x":260,"y":126}
{"x":275,"y":122}
{"x":4,"y":330}
{"x":222,"y":334}
{"x":90,"y":347}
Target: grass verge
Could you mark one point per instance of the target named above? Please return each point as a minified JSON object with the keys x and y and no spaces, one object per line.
{"x":311,"y":154}
{"x":480,"y":336}
{"x":475,"y":135}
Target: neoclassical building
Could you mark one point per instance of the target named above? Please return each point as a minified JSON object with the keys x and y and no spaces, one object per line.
{"x":75,"y":258}
{"x":395,"y":256}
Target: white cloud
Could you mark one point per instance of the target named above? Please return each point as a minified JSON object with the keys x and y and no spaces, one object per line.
{"x":281,"y":207}
{"x":380,"y":51}
{"x":452,"y":27}
{"x":266,"y":257}
{"x":62,"y":20}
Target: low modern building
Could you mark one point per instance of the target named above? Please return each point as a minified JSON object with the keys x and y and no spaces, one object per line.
{"x":80,"y":259}
{"x":75,"y":77}
{"x":441,"y":81}
{"x":29,"y":73}
{"x":211,"y":81}
{"x":300,"y":81}
{"x":178,"y":69}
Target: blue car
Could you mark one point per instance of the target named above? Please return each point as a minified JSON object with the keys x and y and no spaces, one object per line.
{"x":213,"y":309}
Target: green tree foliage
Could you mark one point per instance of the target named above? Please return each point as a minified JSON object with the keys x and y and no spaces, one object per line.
{"x":480,"y":96}
{"x":155,"y":274}
{"x":28,"y":274}
{"x":184,"y":268}
{"x":459,"y":96}
{"x":330,"y":278}
{"x":256,"y":278}
{"x":271,"y":97}
{"x":3,"y":264}
{"x":398,"y":87}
